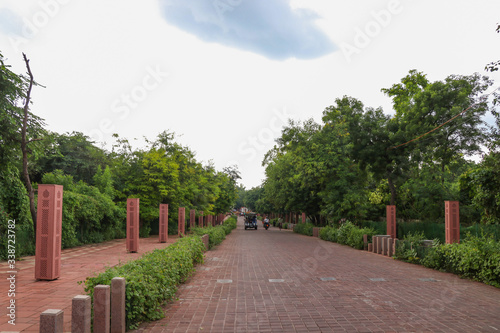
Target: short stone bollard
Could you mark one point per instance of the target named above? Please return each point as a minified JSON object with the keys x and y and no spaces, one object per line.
{"x":379,"y":243}
{"x":51,"y":321}
{"x":101,"y":308}
{"x":370,"y":247}
{"x":365,"y":242}
{"x":390,"y":252}
{"x":80,"y":314}
{"x":316,"y":231}
{"x":118,"y":285}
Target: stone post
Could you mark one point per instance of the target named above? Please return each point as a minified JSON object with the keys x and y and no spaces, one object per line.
{"x":48,"y":232}
{"x":133,"y":225}
{"x":200,"y":220}
{"x":452,"y":221}
{"x":182,"y":221}
{"x":192,"y":218}
{"x":101,"y":308}
{"x":303,"y":217}
{"x":80,"y":314}
{"x":118,"y":305}
{"x":163,"y":223}
{"x":51,"y":321}
{"x":391,"y":221}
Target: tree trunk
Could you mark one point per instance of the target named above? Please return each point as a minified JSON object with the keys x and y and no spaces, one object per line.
{"x":392,"y":188}
{"x":24,"y":149}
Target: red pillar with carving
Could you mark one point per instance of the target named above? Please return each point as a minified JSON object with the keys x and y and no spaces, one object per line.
{"x":200,"y":220}
{"x":452,"y":221}
{"x":133,"y":225}
{"x":391,"y":221}
{"x":163,"y":223}
{"x":48,"y":232}
{"x":182,"y":221}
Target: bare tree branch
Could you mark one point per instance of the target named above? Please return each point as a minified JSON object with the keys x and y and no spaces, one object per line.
{"x":24,"y":143}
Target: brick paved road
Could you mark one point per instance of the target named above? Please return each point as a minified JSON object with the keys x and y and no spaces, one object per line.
{"x":278,"y":281}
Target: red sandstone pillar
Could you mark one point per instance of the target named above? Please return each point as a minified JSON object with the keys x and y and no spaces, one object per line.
{"x":452,"y":221}
{"x":303,"y":217}
{"x":163,"y":223}
{"x":133,"y":225}
{"x":182,"y":221}
{"x":48,"y":232}
{"x":200,"y":220}
{"x":391,"y":221}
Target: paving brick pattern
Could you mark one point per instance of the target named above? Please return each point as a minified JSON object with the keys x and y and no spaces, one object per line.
{"x":278,"y":281}
{"x":33,"y":297}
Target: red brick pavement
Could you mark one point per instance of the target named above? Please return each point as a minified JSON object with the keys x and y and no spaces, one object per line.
{"x":33,"y":297}
{"x":278,"y":281}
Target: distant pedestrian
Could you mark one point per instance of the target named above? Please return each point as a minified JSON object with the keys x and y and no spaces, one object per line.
{"x":280,"y":225}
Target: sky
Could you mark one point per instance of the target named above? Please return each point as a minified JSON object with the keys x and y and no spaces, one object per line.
{"x":226,"y":75}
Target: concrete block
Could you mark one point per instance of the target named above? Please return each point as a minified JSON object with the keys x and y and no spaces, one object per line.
{"x":101,"y":309}
{"x":81,"y":314}
{"x":51,"y":321}
{"x":118,"y":285}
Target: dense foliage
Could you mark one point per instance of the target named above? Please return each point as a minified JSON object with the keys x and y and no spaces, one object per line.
{"x":346,"y":234}
{"x":152,"y":280}
{"x":218,"y":233}
{"x":96,"y":181}
{"x":476,"y":258}
{"x":359,"y":159}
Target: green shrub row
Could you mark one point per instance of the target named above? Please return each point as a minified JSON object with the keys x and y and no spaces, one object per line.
{"x":304,"y":228}
{"x":218,"y":233}
{"x":476,"y":258}
{"x":152,"y":280}
{"x":346,"y":234}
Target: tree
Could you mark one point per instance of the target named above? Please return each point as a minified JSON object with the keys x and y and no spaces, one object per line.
{"x":493,"y":66}
{"x":18,"y":127}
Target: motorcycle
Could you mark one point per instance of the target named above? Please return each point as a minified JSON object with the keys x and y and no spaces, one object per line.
{"x":266,"y":225}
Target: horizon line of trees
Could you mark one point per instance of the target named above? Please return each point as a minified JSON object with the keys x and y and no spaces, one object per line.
{"x":96,"y":181}
{"x":359,"y":159}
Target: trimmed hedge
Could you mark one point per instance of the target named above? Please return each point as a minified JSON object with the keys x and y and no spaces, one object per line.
{"x":152,"y":280}
{"x":218,"y":233}
{"x":304,"y":228}
{"x":347,"y":234}
{"x":476,"y":258}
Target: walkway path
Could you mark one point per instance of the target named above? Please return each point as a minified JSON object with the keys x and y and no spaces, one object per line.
{"x":33,"y":297}
{"x":278,"y":281}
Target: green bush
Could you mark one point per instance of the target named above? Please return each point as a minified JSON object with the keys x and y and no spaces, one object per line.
{"x":328,"y":233}
{"x":304,"y":228}
{"x":152,"y":280}
{"x":344,"y":231}
{"x":477,"y":258}
{"x":88,"y":215}
{"x":218,"y":233}
{"x":347,"y":234}
{"x":229,"y":224}
{"x":407,"y":249}
{"x":285,"y":226}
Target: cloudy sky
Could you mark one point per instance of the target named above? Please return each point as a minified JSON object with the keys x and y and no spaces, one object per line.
{"x":225,"y":75}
